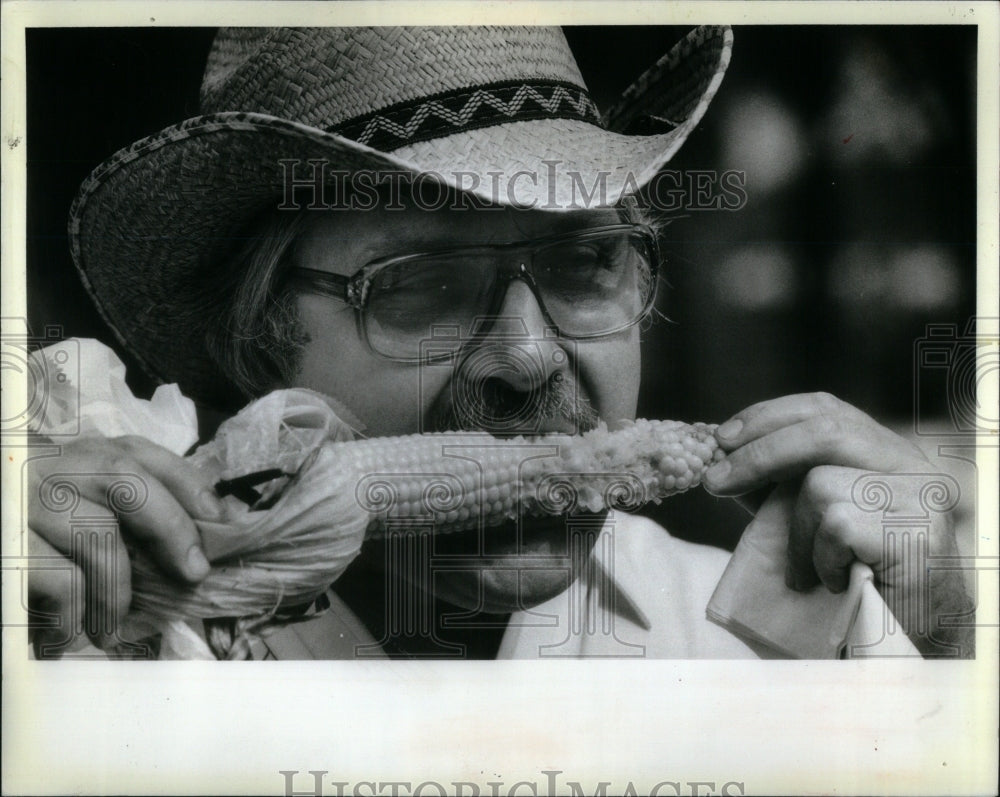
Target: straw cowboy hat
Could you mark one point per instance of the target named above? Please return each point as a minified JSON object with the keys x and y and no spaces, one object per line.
{"x":472,"y":100}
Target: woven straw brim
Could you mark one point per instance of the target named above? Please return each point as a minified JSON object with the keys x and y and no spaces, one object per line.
{"x":150,"y":220}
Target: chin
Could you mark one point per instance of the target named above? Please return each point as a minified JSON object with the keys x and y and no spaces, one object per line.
{"x":513,"y":566}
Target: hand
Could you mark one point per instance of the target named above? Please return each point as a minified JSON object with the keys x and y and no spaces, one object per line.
{"x":75,"y":503}
{"x":827,"y":446}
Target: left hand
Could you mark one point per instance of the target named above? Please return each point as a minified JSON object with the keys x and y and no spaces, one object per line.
{"x":828,"y":445}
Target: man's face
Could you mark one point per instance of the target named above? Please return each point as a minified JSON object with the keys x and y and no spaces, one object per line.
{"x":518,"y":379}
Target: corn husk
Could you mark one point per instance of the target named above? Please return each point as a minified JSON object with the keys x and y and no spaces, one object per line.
{"x":267,"y":559}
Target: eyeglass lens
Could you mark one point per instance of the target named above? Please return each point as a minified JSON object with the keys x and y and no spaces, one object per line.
{"x":589,"y":285}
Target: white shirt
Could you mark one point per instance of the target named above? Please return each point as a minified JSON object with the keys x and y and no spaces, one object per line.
{"x":643,"y":596}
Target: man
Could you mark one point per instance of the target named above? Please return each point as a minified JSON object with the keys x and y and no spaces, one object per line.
{"x":346,"y":195}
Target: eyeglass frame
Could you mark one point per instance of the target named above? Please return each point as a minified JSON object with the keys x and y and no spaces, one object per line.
{"x":354,"y":289}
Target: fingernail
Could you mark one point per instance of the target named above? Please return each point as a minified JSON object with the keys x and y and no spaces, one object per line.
{"x":730,"y":428}
{"x":209,"y":506}
{"x":198,"y":565}
{"x":717,"y":473}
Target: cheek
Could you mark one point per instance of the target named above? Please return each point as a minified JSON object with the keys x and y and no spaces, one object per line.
{"x":389,"y":398}
{"x":610,"y":372}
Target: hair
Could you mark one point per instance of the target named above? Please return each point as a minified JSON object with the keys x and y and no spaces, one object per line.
{"x":253,"y":334}
{"x":638,"y":212}
{"x":634,"y":212}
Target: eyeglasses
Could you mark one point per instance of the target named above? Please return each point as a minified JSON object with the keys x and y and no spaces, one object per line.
{"x":588,"y":284}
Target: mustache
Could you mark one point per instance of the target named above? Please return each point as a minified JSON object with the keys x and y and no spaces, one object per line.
{"x":493,"y":405}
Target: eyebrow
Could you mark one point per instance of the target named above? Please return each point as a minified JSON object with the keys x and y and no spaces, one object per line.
{"x":432,"y":237}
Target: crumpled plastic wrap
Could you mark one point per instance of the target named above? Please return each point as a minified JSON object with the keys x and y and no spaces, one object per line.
{"x":260,"y":564}
{"x":285,"y":555}
{"x":86,"y":396}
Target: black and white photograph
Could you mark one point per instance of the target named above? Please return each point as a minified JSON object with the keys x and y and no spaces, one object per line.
{"x":286,"y":511}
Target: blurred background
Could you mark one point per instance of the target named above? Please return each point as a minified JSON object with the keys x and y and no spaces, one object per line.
{"x":858,"y":149}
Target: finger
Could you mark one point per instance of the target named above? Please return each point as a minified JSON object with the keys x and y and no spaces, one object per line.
{"x":55,"y":600}
{"x":82,"y":597}
{"x":823,"y":522}
{"x":832,"y":551}
{"x":753,"y":501}
{"x":88,"y":537}
{"x":750,"y":501}
{"x":90,"y":581}
{"x":791,"y":451}
{"x":191,"y":486}
{"x":806,"y":514}
{"x":149,"y":513}
{"x":765,"y":417}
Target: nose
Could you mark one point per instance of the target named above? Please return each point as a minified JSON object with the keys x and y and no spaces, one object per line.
{"x":518,"y":376}
{"x":521,"y":349}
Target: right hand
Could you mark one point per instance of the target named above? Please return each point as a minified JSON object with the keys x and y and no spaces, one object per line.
{"x":72,"y":496}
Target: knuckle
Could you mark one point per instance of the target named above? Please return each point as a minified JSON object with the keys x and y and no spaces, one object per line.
{"x":95,"y":448}
{"x":166,"y":540}
{"x":173,"y":527}
{"x":813,"y":484}
{"x":122,"y":463}
{"x":914,"y":452}
{"x":827,"y":403}
{"x":819,"y":486}
{"x":828,"y":428}
{"x":836,"y":522}
{"x":131,"y":442}
{"x":760,"y":452}
{"x":751,"y":412}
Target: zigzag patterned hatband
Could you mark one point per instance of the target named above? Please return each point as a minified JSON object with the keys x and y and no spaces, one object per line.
{"x":468,"y":109}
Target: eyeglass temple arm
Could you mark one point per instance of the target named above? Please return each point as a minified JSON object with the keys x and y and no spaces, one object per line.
{"x":324,"y":283}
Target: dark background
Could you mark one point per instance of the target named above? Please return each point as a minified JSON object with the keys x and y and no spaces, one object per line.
{"x":858,"y":145}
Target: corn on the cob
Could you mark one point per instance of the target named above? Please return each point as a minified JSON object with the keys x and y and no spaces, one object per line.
{"x":290,"y":553}
{"x":461,"y":481}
